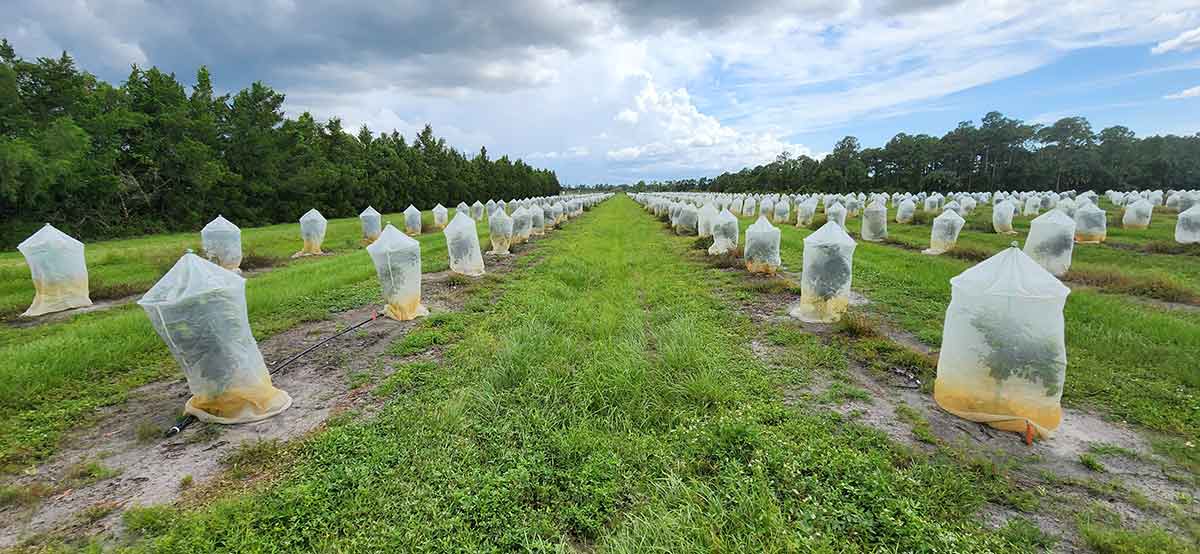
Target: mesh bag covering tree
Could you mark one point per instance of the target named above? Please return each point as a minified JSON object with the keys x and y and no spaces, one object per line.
{"x":199,"y":310}
{"x":1090,"y":224}
{"x":1137,"y":215}
{"x":688,"y":221}
{"x":725,"y":234}
{"x":490,"y":207}
{"x":1004,"y":359}
{"x":312,"y":231}
{"x":397,"y":258}
{"x":1051,"y":241}
{"x":500,"y":227}
{"x":477,"y":211}
{"x":782,"y":211}
{"x":502,"y":206}
{"x":837,"y":214}
{"x":874,"y":224}
{"x":762,"y":247}
{"x":766,"y":207}
{"x":537,"y":220}
{"x":462,"y":207}
{"x":440,"y":216}
{"x":222,"y":244}
{"x":522,"y":225}
{"x":905,"y":211}
{"x":412,"y":220}
{"x":944,"y":234}
{"x":1002,"y":216}
{"x":1032,"y":206}
{"x":372,"y":224}
{"x":462,"y":245}
{"x":825,"y":281}
{"x":750,"y":207}
{"x":59,"y":271}
{"x":1187,"y":227}
{"x":805,"y":212}
{"x":704,"y":220}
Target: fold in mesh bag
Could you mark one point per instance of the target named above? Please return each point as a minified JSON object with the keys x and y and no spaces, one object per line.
{"x":825,"y":281}
{"x":199,"y":310}
{"x":312,"y":230}
{"x":372,"y":224}
{"x":762,"y":247}
{"x":1004,"y":359}
{"x":60,"y":277}
{"x":397,"y":258}
{"x":462,"y":244}
{"x":222,"y":244}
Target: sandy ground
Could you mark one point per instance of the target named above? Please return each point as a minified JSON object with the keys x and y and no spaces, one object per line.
{"x":150,"y":471}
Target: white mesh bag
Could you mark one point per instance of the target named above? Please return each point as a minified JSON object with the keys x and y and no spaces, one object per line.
{"x":59,"y":271}
{"x":1003,"y":359}
{"x":782,"y":211}
{"x":750,"y":207}
{"x":537,"y":220}
{"x":724,"y":233}
{"x":1002,"y":216}
{"x":766,"y":207}
{"x":904,"y":212}
{"x":825,"y":281}
{"x":440,"y":216}
{"x":805,"y":212}
{"x":522,"y":225}
{"x":476,"y":211}
{"x":1032,"y":206}
{"x":1137,"y":214}
{"x":1187,"y":228}
{"x":312,"y":231}
{"x":222,"y":244}
{"x":944,"y":234}
{"x":762,"y":247}
{"x":397,"y":258}
{"x":372,"y":224}
{"x":688,"y":221}
{"x":462,"y":244}
{"x":837,"y":214}
{"x":1091,"y":224}
{"x":874,"y":224}
{"x":199,"y":310}
{"x":412,"y":220}
{"x":1051,"y":241}
{"x":704,"y":220}
{"x":500,"y":227}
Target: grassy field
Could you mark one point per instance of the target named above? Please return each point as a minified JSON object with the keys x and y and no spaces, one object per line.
{"x":1132,"y":361}
{"x":617,"y":392}
{"x":57,"y":374}
{"x":607,"y":401}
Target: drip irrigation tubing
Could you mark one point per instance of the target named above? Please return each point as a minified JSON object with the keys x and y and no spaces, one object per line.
{"x":183,"y":422}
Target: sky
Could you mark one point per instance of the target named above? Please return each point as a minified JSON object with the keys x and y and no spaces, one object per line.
{"x":616,"y":91}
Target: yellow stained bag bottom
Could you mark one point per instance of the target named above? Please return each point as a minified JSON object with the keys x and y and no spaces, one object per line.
{"x":1003,"y":413}
{"x":821,"y":311}
{"x":311,"y":248}
{"x":500,"y":246}
{"x":58,"y":296}
{"x":405,"y":310}
{"x":761,"y":267}
{"x":1089,"y":238}
{"x":240,"y":404}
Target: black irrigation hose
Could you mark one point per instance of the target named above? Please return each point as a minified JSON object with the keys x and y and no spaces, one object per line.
{"x":183,"y":422}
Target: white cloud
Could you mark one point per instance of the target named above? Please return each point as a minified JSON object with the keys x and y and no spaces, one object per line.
{"x":628,"y":116}
{"x":1193,"y":92}
{"x":1185,"y":42}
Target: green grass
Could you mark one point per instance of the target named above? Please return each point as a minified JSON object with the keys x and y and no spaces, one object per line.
{"x":57,"y":375}
{"x":1131,"y":361}
{"x":605,"y":400}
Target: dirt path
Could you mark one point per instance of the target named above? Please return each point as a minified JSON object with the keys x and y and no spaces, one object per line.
{"x":149,"y":470}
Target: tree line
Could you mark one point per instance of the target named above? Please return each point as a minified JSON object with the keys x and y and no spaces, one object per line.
{"x":148,"y":156}
{"x":1000,"y":153}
